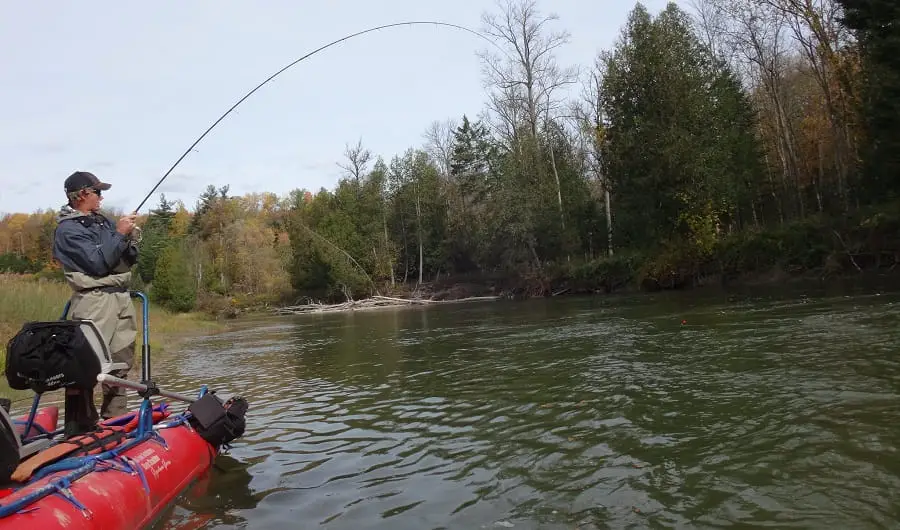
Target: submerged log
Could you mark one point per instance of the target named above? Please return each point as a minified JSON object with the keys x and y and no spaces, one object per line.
{"x":375,"y":302}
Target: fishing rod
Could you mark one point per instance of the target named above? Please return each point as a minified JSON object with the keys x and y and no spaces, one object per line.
{"x":310,"y":54}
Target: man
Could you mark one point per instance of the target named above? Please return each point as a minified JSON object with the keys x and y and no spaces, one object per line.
{"x":97,"y":257}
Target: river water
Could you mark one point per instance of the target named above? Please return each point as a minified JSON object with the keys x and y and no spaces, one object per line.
{"x":645,"y":411}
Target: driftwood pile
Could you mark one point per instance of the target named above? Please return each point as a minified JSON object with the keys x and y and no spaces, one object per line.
{"x":375,"y":302}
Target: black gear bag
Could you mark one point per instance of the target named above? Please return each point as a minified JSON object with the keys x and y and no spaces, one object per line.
{"x":46,"y":356}
{"x":216,"y":422}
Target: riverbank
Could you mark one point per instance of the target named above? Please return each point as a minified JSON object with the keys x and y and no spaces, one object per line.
{"x":823,"y":249}
{"x":27,"y":297}
{"x":820,"y":250}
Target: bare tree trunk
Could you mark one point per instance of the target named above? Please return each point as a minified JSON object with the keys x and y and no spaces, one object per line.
{"x":405,"y":248}
{"x":788,"y":140}
{"x":609,"y":227}
{"x":419,"y":230}
{"x":390,"y":260}
{"x":589,"y":113}
{"x":821,"y":181}
{"x":562,"y":218}
{"x":775,"y":198}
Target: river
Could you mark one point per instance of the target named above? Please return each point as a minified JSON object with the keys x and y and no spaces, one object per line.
{"x":643,"y":411}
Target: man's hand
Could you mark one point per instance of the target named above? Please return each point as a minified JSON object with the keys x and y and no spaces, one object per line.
{"x":126,"y":224}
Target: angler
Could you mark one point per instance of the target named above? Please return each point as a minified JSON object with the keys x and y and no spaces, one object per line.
{"x":97,"y":256}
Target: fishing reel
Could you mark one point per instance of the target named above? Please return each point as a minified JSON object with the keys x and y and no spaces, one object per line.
{"x":136,"y":235}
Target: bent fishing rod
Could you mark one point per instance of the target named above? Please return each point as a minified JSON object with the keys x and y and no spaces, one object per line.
{"x":308,"y":55}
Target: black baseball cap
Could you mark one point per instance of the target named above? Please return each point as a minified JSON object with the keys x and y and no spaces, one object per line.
{"x":82,"y":179}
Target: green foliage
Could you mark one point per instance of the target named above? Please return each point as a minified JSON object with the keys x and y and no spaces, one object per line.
{"x":679,"y":144}
{"x":49,"y":273}
{"x":15,"y":263}
{"x":876,"y":24}
{"x":606,"y":274}
{"x":155,"y":237}
{"x":799,"y":246}
{"x":173,"y":287}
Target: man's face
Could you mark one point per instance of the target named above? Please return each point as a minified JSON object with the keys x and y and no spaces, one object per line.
{"x":91,"y":199}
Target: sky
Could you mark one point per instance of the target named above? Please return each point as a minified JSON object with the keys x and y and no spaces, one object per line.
{"x":122,"y":89}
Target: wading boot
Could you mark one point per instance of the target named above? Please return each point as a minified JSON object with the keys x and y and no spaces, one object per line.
{"x":80,"y":412}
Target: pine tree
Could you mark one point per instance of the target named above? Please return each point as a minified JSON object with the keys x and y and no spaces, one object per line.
{"x":877,"y":27}
{"x":679,"y":144}
{"x":155,"y":236}
{"x":173,"y":286}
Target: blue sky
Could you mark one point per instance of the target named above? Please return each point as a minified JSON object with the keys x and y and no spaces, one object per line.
{"x":123,"y":88}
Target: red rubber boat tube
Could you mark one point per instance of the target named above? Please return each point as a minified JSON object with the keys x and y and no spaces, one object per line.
{"x":45,"y":421}
{"x":128,"y":490}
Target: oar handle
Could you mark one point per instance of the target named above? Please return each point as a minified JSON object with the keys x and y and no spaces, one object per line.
{"x":115,"y":381}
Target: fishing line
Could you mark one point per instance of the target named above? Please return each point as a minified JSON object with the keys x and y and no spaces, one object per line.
{"x":310,"y":54}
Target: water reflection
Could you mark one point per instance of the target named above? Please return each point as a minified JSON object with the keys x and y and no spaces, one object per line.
{"x":216,"y":500}
{"x":560,"y":414}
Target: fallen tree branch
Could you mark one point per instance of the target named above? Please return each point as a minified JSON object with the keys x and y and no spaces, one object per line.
{"x":375,"y":302}
{"x":847,"y":250}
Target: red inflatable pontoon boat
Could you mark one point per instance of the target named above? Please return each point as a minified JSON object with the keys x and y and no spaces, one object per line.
{"x":126,"y":473}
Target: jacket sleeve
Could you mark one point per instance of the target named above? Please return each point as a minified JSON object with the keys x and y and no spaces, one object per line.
{"x":130,"y":255}
{"x":79,"y":250}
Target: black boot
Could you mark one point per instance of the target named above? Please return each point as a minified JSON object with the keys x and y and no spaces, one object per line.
{"x":80,"y":412}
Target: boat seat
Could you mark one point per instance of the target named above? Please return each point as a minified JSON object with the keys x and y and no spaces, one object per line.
{"x":13,"y":450}
{"x":10,"y":446}
{"x":33,"y":448}
{"x":97,"y":342}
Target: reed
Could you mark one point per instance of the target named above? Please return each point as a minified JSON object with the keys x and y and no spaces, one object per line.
{"x":25,"y":297}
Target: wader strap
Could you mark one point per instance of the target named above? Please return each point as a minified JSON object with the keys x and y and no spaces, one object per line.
{"x":108,"y":289}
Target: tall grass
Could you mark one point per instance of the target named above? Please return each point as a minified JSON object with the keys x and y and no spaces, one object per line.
{"x":25,"y":298}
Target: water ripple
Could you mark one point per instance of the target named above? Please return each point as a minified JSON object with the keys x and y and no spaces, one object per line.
{"x":563,"y":416}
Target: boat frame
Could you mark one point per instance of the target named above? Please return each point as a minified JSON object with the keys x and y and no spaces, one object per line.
{"x":146,"y":431}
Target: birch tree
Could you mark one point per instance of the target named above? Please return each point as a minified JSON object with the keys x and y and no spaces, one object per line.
{"x":526,"y":80}
{"x":356,"y":163}
{"x":591,"y":126}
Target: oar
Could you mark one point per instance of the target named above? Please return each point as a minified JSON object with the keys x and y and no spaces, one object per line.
{"x":115,"y":381}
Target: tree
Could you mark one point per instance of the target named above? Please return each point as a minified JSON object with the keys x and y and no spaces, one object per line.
{"x":155,"y":236}
{"x":591,"y":126}
{"x":439,"y":144}
{"x":876,"y":24}
{"x":526,"y":79}
{"x":357,"y":161}
{"x":173,"y":286}
{"x":419,"y":214}
{"x":679,"y":137}
{"x":815,"y":28}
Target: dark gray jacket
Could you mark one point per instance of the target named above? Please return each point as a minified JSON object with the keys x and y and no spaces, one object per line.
{"x":91,"y":251}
